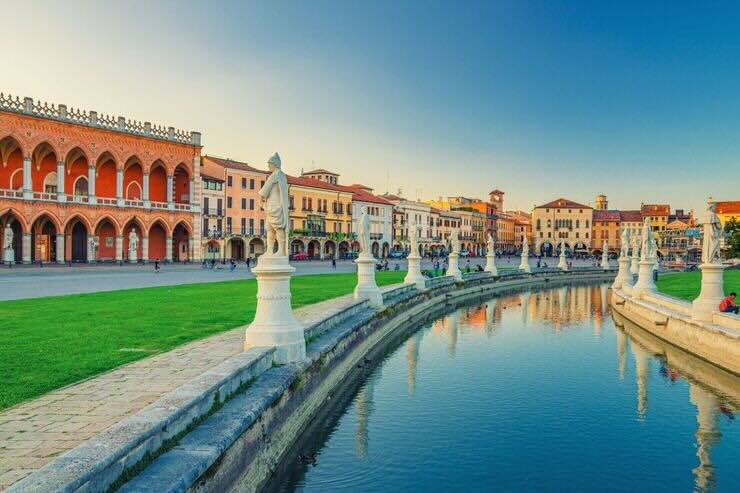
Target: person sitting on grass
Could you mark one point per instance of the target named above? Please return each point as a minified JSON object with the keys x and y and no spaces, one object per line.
{"x":727,"y":305}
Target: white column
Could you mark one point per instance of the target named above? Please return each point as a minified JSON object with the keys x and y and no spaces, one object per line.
{"x":712,"y":292}
{"x":119,"y":248}
{"x":145,"y":191}
{"x":27,"y":181}
{"x":91,"y":183}
{"x":366,"y":288}
{"x":119,"y":187}
{"x":60,"y":248}
{"x":191,"y":192}
{"x":145,"y":249}
{"x":274,"y":323}
{"x":168,"y":249}
{"x":61,"y":196}
{"x":170,"y":192}
{"x":624,"y":277}
{"x":491,"y":262}
{"x":26,"y":248}
{"x":707,"y":435}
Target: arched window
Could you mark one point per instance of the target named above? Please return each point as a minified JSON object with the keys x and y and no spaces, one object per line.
{"x":80,"y":187}
{"x":16,"y":179}
{"x":50,"y":182}
{"x":133,"y":191}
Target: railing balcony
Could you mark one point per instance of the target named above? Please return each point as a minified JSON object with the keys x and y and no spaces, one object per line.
{"x":133,"y":203}
{"x":212,"y":211}
{"x":11,"y":194}
{"x":105,"y":201}
{"x":44,"y":196}
{"x":158,"y":205}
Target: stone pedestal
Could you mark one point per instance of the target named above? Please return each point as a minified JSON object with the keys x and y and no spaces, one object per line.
{"x":645,"y":283}
{"x":366,"y":287}
{"x":624,"y":277}
{"x":605,"y":260}
{"x":491,"y":264}
{"x":524,"y":264}
{"x":635,"y":266}
{"x":8,"y":256}
{"x":414,"y":276}
{"x":562,"y":263}
{"x":453,"y":268}
{"x":712,"y":292}
{"x":132,"y":257}
{"x":274,"y":323}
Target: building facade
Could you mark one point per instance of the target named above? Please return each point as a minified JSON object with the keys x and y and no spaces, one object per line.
{"x":522,"y":228}
{"x":562,"y":220}
{"x":213,"y":181}
{"x":74,"y":185}
{"x":606,"y":227}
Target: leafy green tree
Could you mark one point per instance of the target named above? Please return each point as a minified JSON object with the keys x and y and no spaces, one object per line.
{"x":732,"y":238}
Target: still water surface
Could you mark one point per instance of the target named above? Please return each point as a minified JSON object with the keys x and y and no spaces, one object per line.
{"x":539,"y":391}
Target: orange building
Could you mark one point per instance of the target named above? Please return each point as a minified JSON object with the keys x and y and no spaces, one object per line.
{"x":606,"y":225}
{"x":73,"y":184}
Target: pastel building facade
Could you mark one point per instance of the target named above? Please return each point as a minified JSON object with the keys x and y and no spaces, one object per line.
{"x":562,"y":220}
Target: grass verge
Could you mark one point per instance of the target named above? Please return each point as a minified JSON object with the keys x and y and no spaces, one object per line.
{"x":686,"y":285}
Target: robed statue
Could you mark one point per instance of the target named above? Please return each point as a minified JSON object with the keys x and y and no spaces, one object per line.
{"x":648,"y":250}
{"x":455,"y":241}
{"x":414,"y":239}
{"x":275,"y":200}
{"x":490,"y":245}
{"x":363,"y":235}
{"x":133,"y":240}
{"x":8,"y":237}
{"x":625,"y":247}
{"x":712,"y":235}
{"x":525,"y":247}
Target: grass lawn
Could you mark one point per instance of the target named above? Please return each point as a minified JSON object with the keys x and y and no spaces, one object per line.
{"x":686,"y":285}
{"x":47,"y":343}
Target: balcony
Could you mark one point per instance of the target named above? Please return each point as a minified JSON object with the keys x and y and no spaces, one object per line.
{"x":315,"y":233}
{"x":213,"y":211}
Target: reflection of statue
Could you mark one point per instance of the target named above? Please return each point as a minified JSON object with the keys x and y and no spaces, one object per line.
{"x":274,"y":195}
{"x":624,"y":252}
{"x":712,"y":235}
{"x":363,"y":235}
{"x":8,"y":238}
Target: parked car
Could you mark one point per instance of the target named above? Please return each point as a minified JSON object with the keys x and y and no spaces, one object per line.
{"x":299,"y":256}
{"x":397,"y":254}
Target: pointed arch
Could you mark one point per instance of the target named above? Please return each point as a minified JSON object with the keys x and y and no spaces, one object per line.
{"x":76,"y":164}
{"x":43,"y":162}
{"x":11,"y":163}
{"x":111,"y":220}
{"x":50,"y":216}
{"x":162,"y":223}
{"x":181,"y":184}
{"x":17,"y":216}
{"x":158,"y":181}
{"x":105,"y":175}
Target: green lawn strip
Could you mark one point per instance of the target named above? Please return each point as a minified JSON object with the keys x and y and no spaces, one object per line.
{"x":47,"y":343}
{"x":686,"y":285}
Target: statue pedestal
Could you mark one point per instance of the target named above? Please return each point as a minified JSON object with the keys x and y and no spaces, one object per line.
{"x":414,"y":276}
{"x":366,"y":287}
{"x":453,"y":268}
{"x":8,"y":256}
{"x":491,"y":264}
{"x":524,"y":265}
{"x":563,"y":264}
{"x":624,"y":277}
{"x":645,"y":283}
{"x":274,"y":323}
{"x":712,"y":292}
{"x":605,"y":261}
{"x":635,"y":266}
{"x":132,"y":258}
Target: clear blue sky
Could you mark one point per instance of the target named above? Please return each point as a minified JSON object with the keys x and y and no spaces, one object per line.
{"x":539,"y":99}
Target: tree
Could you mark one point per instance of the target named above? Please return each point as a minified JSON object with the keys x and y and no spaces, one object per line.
{"x":732,"y":238}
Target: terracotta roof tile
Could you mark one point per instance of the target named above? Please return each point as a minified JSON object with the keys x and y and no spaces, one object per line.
{"x":655,"y":209}
{"x":320,"y":171}
{"x":231,"y":164}
{"x":630,"y":216}
{"x":728,"y":207}
{"x":608,"y":216}
{"x":563,"y":203}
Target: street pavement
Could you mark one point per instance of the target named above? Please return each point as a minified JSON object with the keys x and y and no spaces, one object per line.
{"x":22,"y":282}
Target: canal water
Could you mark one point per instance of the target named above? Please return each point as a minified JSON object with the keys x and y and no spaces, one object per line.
{"x":540,"y":391}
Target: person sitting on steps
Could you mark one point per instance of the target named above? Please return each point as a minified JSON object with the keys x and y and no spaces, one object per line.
{"x":727,"y":305}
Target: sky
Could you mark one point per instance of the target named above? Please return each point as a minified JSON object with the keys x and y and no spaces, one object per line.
{"x":638,"y":101}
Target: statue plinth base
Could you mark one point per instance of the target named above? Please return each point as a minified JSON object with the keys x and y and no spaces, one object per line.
{"x":366,"y":288}
{"x":635,"y":266}
{"x":8,"y":256}
{"x":624,"y":277}
{"x":491,"y":264}
{"x":274,"y":324}
{"x":453,"y":267}
{"x":712,"y":292}
{"x":645,"y":283}
{"x":605,"y":263}
{"x":414,"y":275}
{"x":132,"y":258}
{"x":562,"y":263}
{"x":524,"y":264}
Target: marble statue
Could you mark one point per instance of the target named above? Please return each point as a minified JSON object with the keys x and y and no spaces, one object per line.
{"x":8,"y":238}
{"x":647,"y":240}
{"x":414,"y":239}
{"x":133,"y":240}
{"x":489,"y":244}
{"x":624,"y":251}
{"x":275,"y":199}
{"x":363,"y":235}
{"x":455,"y":241}
{"x":525,"y":248}
{"x":605,"y":255}
{"x":712,"y":235}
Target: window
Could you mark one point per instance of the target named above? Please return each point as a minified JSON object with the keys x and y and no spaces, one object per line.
{"x":228,"y":202}
{"x":251,"y":183}
{"x":219,"y":206}
{"x":244,"y":183}
{"x":262,"y":183}
{"x":292,"y":205}
{"x":243,"y":226}
{"x":244,"y":204}
{"x":251,"y":227}
{"x":228,"y":181}
{"x":205,"y":205}
{"x":251,"y":204}
{"x":262,"y":227}
{"x":228,"y":225}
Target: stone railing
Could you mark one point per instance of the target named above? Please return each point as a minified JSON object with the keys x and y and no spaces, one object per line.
{"x":105,"y":201}
{"x":61,"y":113}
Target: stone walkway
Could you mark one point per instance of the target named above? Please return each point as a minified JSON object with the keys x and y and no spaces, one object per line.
{"x":33,"y":433}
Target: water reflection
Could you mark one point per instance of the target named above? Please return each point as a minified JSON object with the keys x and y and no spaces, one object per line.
{"x":529,"y":377}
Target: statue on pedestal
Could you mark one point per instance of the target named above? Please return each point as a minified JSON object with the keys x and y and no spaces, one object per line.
{"x":712,"y":228}
{"x":275,"y":200}
{"x":455,"y":242}
{"x":8,"y":252}
{"x":133,"y":240}
{"x":646,"y":252}
{"x":625,"y":247}
{"x":490,"y":245}
{"x":414,"y":239}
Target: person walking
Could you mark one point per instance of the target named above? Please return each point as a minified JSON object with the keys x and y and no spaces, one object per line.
{"x":334,"y":263}
{"x":249,"y":262}
{"x":156,"y":266}
{"x":727,"y":305}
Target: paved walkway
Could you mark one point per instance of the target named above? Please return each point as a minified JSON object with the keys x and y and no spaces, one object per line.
{"x":33,"y":433}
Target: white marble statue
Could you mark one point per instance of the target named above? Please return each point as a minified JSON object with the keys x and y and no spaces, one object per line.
{"x":8,"y":238}
{"x":275,"y":200}
{"x":710,"y":246}
{"x":646,"y":251}
{"x":363,"y":235}
{"x":133,"y":240}
{"x":625,"y":248}
{"x":455,"y":241}
{"x":605,"y":255}
{"x":413,"y":239}
{"x":525,"y":248}
{"x":490,"y":244}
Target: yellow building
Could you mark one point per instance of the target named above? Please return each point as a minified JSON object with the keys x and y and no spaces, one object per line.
{"x":522,"y":227}
{"x":505,"y":233}
{"x":562,"y":220}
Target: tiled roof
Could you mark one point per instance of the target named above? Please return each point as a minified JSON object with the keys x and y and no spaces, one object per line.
{"x":562,"y":203}
{"x":320,"y":171}
{"x":362,"y":195}
{"x":655,"y":209}
{"x":211,"y":178}
{"x":305,"y":181}
{"x":728,"y":207}
{"x":630,"y":216}
{"x":390,"y":196}
{"x":496,"y":191}
{"x":609,"y":216}
{"x":231,"y":164}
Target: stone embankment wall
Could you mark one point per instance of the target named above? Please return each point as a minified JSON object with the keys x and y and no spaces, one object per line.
{"x":230,"y":427}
